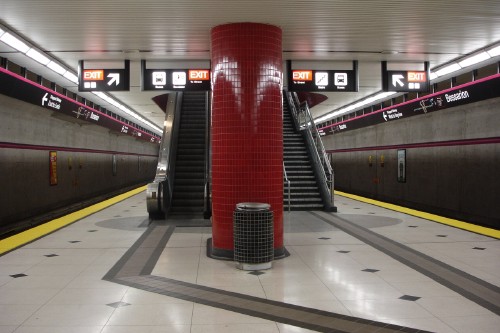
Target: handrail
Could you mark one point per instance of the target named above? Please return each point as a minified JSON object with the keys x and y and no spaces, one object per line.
{"x":159,"y":192}
{"x":324,"y":170}
{"x":207,"y":205}
{"x":288,"y":185}
{"x":293,"y":109}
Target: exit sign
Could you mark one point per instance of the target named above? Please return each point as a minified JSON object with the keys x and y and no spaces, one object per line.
{"x":405,"y":81}
{"x":103,"y":79}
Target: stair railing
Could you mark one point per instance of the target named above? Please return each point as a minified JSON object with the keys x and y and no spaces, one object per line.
{"x":294,"y":110}
{"x":288,"y":186}
{"x":321,"y":162}
{"x":207,"y":205}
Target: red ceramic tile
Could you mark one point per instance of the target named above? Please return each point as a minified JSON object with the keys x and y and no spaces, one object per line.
{"x":247,"y":139}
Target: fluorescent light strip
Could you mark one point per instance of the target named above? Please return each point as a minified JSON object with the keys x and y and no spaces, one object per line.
{"x":474,"y":59}
{"x":116,"y":104}
{"x":453,"y":67}
{"x":34,"y":54}
{"x":494,"y":52}
{"x":56,"y":68}
{"x":12,"y":41}
{"x":72,"y":77}
{"x":448,"y":69}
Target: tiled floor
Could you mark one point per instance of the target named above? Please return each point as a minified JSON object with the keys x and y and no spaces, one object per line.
{"x":56,"y":284}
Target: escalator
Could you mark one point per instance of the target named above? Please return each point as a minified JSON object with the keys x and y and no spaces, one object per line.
{"x":189,"y":180}
{"x":180,"y":188}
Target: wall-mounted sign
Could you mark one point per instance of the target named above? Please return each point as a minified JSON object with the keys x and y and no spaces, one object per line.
{"x":53,"y":168}
{"x":323,"y":80}
{"x":18,"y":87}
{"x":103,"y":79}
{"x":405,"y":81}
{"x":402,"y":165}
{"x":175,"y":79}
{"x":471,"y":92}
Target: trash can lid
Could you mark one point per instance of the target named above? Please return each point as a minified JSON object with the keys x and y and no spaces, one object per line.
{"x":253,"y":206}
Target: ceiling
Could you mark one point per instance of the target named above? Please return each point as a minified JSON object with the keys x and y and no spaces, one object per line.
{"x":320,"y":33}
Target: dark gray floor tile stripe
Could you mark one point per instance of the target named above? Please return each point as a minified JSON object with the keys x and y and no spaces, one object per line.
{"x":142,"y":256}
{"x":137,"y":263}
{"x":308,"y":318}
{"x":481,"y":292}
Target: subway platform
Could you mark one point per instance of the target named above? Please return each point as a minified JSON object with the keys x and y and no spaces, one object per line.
{"x":367,"y":268}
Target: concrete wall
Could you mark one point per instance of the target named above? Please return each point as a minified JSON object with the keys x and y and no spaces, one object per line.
{"x":24,"y":173}
{"x":459,"y":181}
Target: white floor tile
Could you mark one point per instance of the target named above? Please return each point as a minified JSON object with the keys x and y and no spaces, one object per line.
{"x":474,"y":324}
{"x":67,"y":294}
{"x":152,"y":314}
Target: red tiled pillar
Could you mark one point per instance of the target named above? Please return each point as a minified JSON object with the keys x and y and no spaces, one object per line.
{"x":247,"y":127}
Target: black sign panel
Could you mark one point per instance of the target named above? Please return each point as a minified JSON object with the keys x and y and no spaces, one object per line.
{"x":176,"y":79}
{"x":15,"y":86}
{"x":322,"y":80}
{"x":103,"y":79}
{"x":405,"y":81}
{"x":467,"y":93}
{"x":310,"y":80}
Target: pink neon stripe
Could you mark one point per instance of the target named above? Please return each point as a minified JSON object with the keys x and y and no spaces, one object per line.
{"x":19,"y":77}
{"x":468,"y":142}
{"x":11,"y":145}
{"x":415,"y":100}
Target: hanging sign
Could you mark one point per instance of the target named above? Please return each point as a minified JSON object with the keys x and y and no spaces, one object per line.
{"x":103,"y":79}
{"x":175,"y":79}
{"x":323,"y":80}
{"x":405,"y":81}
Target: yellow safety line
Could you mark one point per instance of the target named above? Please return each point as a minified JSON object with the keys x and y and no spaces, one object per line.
{"x":32,"y":234}
{"x":432,"y":217}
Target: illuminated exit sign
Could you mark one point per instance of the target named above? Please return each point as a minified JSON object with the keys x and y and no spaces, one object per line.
{"x":405,"y":81}
{"x":175,"y":79}
{"x":103,"y":79}
{"x":323,"y":80}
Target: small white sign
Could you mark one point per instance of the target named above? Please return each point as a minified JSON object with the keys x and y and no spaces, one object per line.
{"x":179,"y":78}
{"x":159,"y":78}
{"x":340,"y":79}
{"x":321,"y":78}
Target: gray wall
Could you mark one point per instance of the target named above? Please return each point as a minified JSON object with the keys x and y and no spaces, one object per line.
{"x":24,"y":173}
{"x":461,"y":181}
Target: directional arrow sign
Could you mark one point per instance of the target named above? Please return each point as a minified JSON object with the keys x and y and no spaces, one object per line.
{"x":397,"y":80}
{"x":405,"y":81}
{"x":103,"y":79}
{"x":115,"y":78}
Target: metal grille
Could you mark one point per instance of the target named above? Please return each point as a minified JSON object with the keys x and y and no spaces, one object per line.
{"x":253,"y":233}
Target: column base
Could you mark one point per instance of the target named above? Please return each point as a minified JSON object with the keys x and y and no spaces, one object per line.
{"x":224,"y":254}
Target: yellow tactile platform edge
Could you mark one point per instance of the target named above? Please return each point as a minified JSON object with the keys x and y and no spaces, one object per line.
{"x":13,"y":242}
{"x":428,"y":216}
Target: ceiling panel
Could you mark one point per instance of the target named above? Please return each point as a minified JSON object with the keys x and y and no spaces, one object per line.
{"x":315,"y":30}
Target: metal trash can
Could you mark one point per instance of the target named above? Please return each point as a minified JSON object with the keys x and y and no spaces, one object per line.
{"x":253,"y":236}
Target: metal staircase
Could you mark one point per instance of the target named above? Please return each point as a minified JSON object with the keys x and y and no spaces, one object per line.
{"x":304,"y":190}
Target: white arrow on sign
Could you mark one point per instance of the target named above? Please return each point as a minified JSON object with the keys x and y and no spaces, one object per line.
{"x":115,"y":78}
{"x":396,"y":79}
{"x":44,"y":99}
